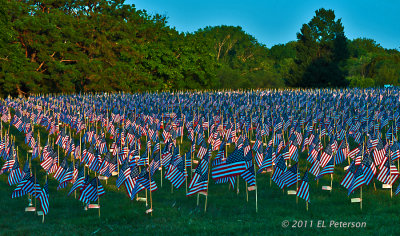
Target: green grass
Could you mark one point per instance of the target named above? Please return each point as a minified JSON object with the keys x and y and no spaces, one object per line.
{"x":228,"y":213}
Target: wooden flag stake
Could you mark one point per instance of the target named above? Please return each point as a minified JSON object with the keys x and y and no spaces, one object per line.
{"x":237,"y":190}
{"x":161,"y":164}
{"x":247,"y":193}
{"x":35,"y":190}
{"x":297,"y":183}
{"x":255,"y":180}
{"x":98,"y":197}
{"x":208,"y":182}
{"x":151,"y":200}
{"x":361,"y":200}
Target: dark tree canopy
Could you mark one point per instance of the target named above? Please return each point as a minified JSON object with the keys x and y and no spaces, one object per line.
{"x":321,"y":49}
{"x":53,"y":46}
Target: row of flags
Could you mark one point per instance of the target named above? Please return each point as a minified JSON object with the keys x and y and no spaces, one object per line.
{"x":105,"y":132}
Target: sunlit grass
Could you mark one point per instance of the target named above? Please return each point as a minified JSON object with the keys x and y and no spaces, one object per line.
{"x":174,"y":213}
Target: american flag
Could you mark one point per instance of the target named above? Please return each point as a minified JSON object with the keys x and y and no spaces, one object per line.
{"x":96,"y":162}
{"x":358,"y":180}
{"x":79,"y":182}
{"x":259,"y":155}
{"x":303,"y":191}
{"x":388,"y":173}
{"x":26,"y":185}
{"x":188,"y":159}
{"x":202,"y":150}
{"x":16,"y":174}
{"x":108,"y":165}
{"x":155,"y":163}
{"x":326,"y":156}
{"x":341,"y":154}
{"x":291,"y":176}
{"x":312,"y":154}
{"x":234,"y":165}
{"x":8,"y":165}
{"x":348,"y":178}
{"x":61,"y":170}
{"x":67,"y":177}
{"x":395,"y":151}
{"x":130,"y":182}
{"x":166,"y":155}
{"x":269,"y":155}
{"x":177,"y":173}
{"x":280,"y":168}
{"x":143,"y":181}
{"x":369,"y":169}
{"x":353,"y":153}
{"x":199,"y":180}
{"x":92,"y":191}
{"x":328,"y":169}
{"x":44,"y":198}
{"x":248,"y":175}
{"x":293,"y":153}
{"x":397,"y":190}
{"x":379,"y":153}
{"x":315,"y":168}
{"x":124,"y":172}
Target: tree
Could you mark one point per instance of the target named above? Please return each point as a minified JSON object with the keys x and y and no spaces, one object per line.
{"x":321,"y":51}
{"x":243,"y":61}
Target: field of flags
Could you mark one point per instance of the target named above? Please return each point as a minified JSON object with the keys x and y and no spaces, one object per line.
{"x":190,"y":139}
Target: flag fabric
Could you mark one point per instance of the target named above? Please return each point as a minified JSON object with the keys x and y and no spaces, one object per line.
{"x":234,"y":165}
{"x":341,"y":153}
{"x":358,"y":180}
{"x":199,"y":181}
{"x":326,"y":156}
{"x":291,"y":176}
{"x":8,"y":165}
{"x":143,"y":181}
{"x":26,"y":185}
{"x":248,"y":175}
{"x":328,"y":169}
{"x":177,"y":173}
{"x":315,"y":168}
{"x":348,"y":178}
{"x":397,"y":190}
{"x":61,"y":170}
{"x":369,"y":169}
{"x":259,"y":155}
{"x":92,"y":191}
{"x":79,"y":182}
{"x":280,"y":168}
{"x":67,"y":177}
{"x":124,"y":172}
{"x":15,"y":175}
{"x":303,"y":190}
{"x":44,"y":198}
{"x":267,"y":161}
{"x":130,"y":182}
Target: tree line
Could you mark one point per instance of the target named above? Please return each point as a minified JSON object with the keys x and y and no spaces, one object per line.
{"x":53,"y":46}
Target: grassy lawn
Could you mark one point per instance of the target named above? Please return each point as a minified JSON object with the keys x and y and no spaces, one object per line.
{"x":228,"y":213}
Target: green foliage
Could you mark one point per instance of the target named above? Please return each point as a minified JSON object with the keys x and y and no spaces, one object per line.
{"x":244,"y":63}
{"x":73,"y":46}
{"x":321,"y":49}
{"x":360,"y":82}
{"x":369,"y":60}
{"x":101,"y":45}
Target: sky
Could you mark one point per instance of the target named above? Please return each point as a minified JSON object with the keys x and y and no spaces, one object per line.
{"x":273,"y":22}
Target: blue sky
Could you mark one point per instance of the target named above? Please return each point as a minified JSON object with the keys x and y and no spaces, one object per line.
{"x":277,"y":21}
